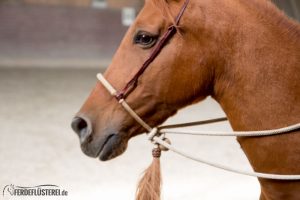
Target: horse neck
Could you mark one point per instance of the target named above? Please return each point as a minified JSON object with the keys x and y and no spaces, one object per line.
{"x":258,"y":87}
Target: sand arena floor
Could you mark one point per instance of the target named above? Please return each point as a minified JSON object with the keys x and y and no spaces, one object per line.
{"x":37,"y":145}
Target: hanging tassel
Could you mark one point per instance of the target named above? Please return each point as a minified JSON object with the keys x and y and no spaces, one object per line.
{"x":149,"y":187}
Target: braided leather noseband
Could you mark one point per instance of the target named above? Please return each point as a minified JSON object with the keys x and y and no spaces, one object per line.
{"x":156,"y":134}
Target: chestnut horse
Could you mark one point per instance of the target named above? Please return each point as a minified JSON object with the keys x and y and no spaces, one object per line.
{"x":243,"y":53}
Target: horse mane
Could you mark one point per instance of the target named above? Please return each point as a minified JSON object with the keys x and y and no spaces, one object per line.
{"x":266,"y":11}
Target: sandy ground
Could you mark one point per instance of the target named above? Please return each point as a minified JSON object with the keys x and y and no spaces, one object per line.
{"x":37,"y":145}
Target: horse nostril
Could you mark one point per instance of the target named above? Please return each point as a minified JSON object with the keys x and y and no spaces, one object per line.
{"x":81,"y":127}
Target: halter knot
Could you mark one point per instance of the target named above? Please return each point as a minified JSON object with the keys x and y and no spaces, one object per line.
{"x":152,"y":134}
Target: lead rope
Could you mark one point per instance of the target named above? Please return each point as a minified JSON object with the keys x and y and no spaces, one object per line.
{"x":236,"y":133}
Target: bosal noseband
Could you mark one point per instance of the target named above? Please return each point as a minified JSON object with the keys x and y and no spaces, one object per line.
{"x":156,"y":135}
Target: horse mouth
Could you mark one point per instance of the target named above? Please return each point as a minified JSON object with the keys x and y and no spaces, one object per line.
{"x":112,"y":147}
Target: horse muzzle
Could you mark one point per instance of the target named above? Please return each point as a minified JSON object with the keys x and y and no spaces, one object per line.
{"x":106,"y":146}
{"x":82,"y":126}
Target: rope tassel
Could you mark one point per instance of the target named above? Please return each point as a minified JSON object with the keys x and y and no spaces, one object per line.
{"x":149,"y":187}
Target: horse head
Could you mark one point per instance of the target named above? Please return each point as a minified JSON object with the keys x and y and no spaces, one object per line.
{"x":180,"y":75}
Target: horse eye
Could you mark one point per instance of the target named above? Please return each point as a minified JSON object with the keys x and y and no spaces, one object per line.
{"x":145,"y":40}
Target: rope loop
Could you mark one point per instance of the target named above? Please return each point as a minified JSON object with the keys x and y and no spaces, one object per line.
{"x":152,"y":134}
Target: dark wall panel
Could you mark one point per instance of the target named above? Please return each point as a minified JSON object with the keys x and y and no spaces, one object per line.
{"x":58,"y":33}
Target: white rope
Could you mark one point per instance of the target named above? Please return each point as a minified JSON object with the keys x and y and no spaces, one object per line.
{"x":235,"y":133}
{"x":155,"y":139}
{"x":227,"y":168}
{"x":107,"y":85}
{"x":113,"y":92}
{"x":134,"y":115}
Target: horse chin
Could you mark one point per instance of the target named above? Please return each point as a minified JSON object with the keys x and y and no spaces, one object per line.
{"x":114,"y":146}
